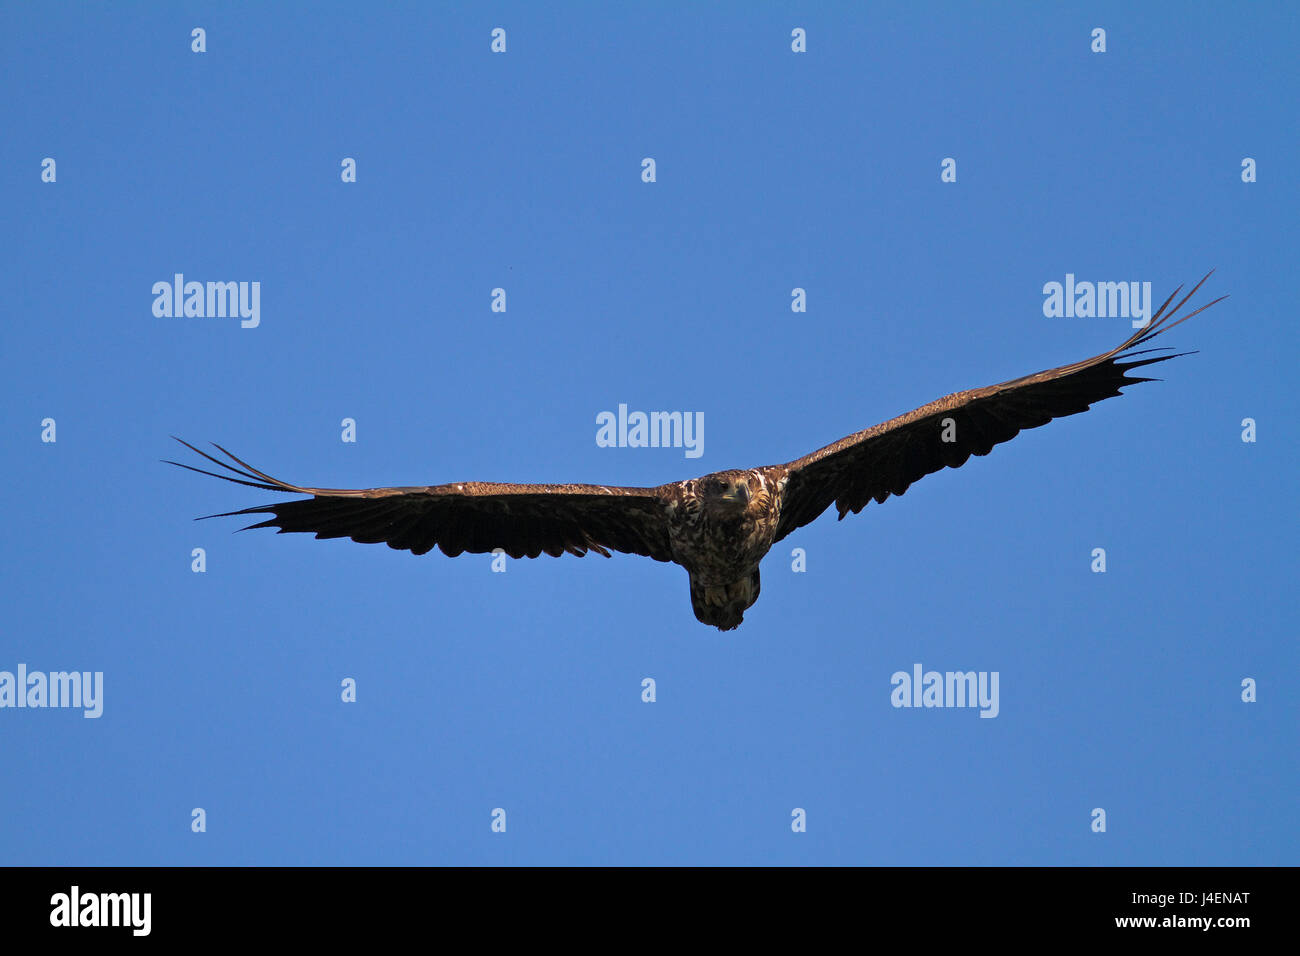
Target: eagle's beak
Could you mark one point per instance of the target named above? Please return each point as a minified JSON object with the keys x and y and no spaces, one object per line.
{"x":737,"y":495}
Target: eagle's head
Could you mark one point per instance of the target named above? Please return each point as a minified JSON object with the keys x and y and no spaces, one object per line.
{"x":727,"y":496}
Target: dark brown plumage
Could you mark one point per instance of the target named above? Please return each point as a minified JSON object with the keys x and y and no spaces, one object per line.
{"x":718,"y":526}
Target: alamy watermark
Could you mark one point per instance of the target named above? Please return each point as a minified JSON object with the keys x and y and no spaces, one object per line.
{"x":1120,"y":300}
{"x":84,"y":689}
{"x":922,"y":688}
{"x":210,"y":300}
{"x":75,"y":908}
{"x":651,"y":430}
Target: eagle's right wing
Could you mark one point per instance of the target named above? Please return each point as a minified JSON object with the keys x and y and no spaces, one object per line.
{"x":886,"y":459}
{"x":473,"y":516}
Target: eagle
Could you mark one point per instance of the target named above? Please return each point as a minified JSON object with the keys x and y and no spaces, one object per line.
{"x":718,"y":526}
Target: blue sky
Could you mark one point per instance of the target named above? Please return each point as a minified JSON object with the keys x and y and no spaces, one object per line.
{"x":521,"y":690}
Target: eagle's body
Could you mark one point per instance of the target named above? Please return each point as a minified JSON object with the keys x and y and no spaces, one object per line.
{"x":718,"y":526}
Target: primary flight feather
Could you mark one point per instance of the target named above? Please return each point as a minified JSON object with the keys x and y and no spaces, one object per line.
{"x":718,"y":526}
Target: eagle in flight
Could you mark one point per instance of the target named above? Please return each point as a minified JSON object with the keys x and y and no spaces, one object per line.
{"x":719,"y":526}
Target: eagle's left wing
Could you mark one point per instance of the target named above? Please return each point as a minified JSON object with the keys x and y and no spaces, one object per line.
{"x":886,"y":459}
{"x":473,"y":516}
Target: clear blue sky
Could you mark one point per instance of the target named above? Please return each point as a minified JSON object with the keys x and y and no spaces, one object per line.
{"x":522,"y":690}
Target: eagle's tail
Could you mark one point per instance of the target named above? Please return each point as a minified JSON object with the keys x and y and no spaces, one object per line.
{"x":724,"y":606}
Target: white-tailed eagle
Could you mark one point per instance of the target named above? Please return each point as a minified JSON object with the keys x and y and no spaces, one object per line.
{"x":718,"y":526}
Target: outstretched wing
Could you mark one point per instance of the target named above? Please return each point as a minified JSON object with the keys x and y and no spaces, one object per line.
{"x":473,"y":516}
{"x":886,"y":459}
